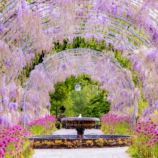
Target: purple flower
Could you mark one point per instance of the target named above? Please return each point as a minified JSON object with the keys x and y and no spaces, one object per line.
{"x":4,"y":122}
{"x":64,"y":66}
{"x":20,"y":14}
{"x":46,"y":121}
{"x":13,"y":106}
{"x":155,"y":35}
{"x":48,"y":105}
{"x":151,"y":56}
{"x":5,"y":101}
{"x":156,"y":130}
{"x":25,"y":119}
{"x":1,"y":28}
{"x":12,"y":94}
{"x":114,"y":9}
{"x":23,"y":4}
{"x":156,"y":106}
{"x":2,"y":91}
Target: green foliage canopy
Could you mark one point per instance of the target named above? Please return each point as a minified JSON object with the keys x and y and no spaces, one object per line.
{"x":90,"y":101}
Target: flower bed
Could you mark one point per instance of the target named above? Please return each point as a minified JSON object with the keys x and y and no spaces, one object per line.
{"x":145,"y":141}
{"x":41,"y":126}
{"x":116,"y":124}
{"x":71,"y":141}
{"x":78,"y":143}
{"x":14,"y":143}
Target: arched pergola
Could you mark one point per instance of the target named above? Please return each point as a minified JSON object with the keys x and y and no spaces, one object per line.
{"x":28,"y":28}
{"x":100,"y":66}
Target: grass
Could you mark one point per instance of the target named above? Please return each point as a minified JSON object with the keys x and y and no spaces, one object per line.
{"x":40,"y":130}
{"x":118,"y":129}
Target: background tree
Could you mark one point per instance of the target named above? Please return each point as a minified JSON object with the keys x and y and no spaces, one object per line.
{"x":90,"y":101}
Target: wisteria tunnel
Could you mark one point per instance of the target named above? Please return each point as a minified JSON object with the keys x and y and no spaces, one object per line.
{"x":99,"y":66}
{"x":43,"y":42}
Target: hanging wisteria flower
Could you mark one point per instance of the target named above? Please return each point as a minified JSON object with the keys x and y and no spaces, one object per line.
{"x":156,"y":106}
{"x":1,"y":28}
{"x":13,"y":106}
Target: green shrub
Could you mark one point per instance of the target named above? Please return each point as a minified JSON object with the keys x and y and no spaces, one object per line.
{"x":37,"y":130}
{"x":139,"y":149}
{"x":117,"y":129}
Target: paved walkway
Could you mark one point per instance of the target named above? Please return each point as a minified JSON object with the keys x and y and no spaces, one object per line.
{"x":119,"y":152}
{"x":74,"y":132}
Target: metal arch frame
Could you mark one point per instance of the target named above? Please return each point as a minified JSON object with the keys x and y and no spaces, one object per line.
{"x":13,"y":9}
{"x":24,"y":46}
{"x":80,"y":52}
{"x":90,"y":11}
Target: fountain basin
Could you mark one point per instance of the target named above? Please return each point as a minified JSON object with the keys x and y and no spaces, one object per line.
{"x":80,"y":124}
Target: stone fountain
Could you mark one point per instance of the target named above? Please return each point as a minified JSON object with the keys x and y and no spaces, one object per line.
{"x":80,"y":124}
{"x":61,"y":140}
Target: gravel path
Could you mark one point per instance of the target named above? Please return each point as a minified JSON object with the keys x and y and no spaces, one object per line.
{"x":119,"y":152}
